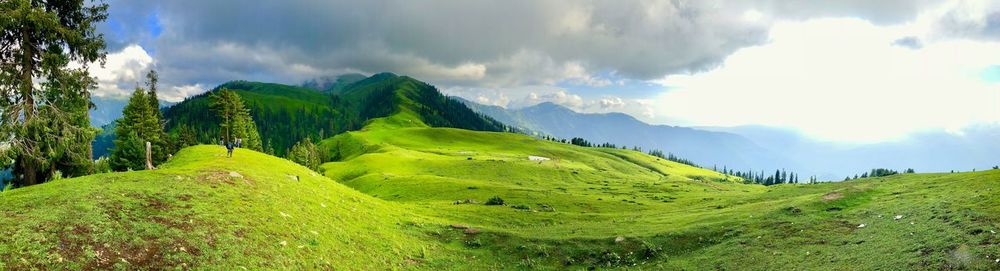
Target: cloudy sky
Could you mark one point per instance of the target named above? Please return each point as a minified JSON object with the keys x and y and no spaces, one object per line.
{"x":848,"y":70}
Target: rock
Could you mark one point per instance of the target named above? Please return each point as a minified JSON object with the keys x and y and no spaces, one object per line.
{"x":898,"y":217}
{"x":235,"y":174}
{"x":283,"y":243}
{"x":471,"y":231}
{"x":459,"y":226}
{"x":619,"y":239}
{"x":861,"y":226}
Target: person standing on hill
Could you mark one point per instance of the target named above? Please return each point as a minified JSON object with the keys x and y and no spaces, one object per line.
{"x":229,"y":148}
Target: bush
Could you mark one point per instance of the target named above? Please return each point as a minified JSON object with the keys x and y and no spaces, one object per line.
{"x":495,"y":200}
{"x":102,"y":165}
{"x":521,"y":207}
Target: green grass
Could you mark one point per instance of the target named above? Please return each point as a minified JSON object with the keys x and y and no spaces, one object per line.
{"x":569,"y":211}
{"x":192,"y":213}
{"x":400,"y":193}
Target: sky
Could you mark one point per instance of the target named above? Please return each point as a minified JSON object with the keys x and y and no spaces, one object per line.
{"x":850,"y":70}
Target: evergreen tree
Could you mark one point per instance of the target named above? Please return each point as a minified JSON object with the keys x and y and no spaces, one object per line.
{"x":305,"y":153}
{"x":137,"y":126}
{"x":40,"y":122}
{"x":235,"y":119}
{"x":161,"y":145}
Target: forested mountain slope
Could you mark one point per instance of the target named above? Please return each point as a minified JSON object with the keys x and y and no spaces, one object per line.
{"x":287,"y":114}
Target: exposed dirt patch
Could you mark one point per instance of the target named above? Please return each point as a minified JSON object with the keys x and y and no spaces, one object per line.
{"x":833,"y":196}
{"x":226,"y":177}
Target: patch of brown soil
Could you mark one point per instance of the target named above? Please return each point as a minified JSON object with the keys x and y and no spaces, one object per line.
{"x":833,"y":196}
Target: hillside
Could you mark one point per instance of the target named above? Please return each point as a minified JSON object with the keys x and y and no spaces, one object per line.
{"x":596,"y":207}
{"x":585,"y":207}
{"x":707,"y":148}
{"x":205,"y":211}
{"x":286,"y":114}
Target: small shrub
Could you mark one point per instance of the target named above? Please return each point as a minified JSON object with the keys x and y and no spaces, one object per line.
{"x":57,"y":175}
{"x":102,"y":165}
{"x":521,"y":207}
{"x":473,"y":243}
{"x":495,"y":200}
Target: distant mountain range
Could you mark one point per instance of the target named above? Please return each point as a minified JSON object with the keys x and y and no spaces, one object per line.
{"x":975,"y":148}
{"x":326,"y":106}
{"x":109,"y":109}
{"x":707,"y":148}
{"x":759,"y":147}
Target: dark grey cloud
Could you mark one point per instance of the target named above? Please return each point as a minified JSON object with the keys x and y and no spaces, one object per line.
{"x":981,"y":22}
{"x":456,"y":42}
{"x":875,"y":11}
{"x":909,"y":42}
{"x":496,"y":43}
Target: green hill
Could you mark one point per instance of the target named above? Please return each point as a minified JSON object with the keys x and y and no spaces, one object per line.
{"x":205,"y":211}
{"x":401,"y":192}
{"x":598,"y":207}
{"x":287,"y":114}
{"x":585,"y":207}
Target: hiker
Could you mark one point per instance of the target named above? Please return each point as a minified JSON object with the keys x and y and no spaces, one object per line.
{"x":239,"y":142}
{"x":229,"y":148}
{"x":222,"y":141}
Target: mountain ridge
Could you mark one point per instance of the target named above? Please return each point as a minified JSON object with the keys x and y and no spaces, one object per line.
{"x":707,"y":148}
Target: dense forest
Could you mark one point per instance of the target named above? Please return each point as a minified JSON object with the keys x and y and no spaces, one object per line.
{"x":285,"y":115}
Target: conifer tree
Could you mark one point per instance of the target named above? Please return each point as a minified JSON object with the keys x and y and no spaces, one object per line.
{"x":131,"y":133}
{"x":305,"y":153}
{"x":41,"y":122}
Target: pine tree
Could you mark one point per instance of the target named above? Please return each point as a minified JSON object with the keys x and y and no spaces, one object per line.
{"x":41,"y":120}
{"x":236,"y":121}
{"x":305,"y":153}
{"x":131,"y":133}
{"x":157,"y":136}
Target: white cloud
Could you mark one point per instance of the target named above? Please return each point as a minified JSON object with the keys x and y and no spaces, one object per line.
{"x":842,"y":79}
{"x":122,"y":72}
{"x":178,"y":93}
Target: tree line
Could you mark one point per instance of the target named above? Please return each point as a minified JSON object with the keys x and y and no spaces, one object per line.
{"x":878,"y":172}
{"x":780,"y":176}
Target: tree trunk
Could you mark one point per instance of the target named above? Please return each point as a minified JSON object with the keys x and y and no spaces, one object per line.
{"x":149,"y":155}
{"x":30,"y":170}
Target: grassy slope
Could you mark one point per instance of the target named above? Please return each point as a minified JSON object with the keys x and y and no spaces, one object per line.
{"x":587,"y":207}
{"x":192,"y":213}
{"x":670,"y":215}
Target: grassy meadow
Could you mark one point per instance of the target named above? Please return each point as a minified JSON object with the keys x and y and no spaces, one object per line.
{"x":403,"y":196}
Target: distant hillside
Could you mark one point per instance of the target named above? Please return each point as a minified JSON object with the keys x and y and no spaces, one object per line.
{"x":706,"y":148}
{"x":286,"y":114}
{"x":108,"y":109}
{"x":931,"y":151}
{"x":333,"y":84}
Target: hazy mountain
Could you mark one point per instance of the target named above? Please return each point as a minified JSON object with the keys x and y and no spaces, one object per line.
{"x":109,"y":109}
{"x":761,"y":147}
{"x":706,"y":148}
{"x":934,"y":151}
